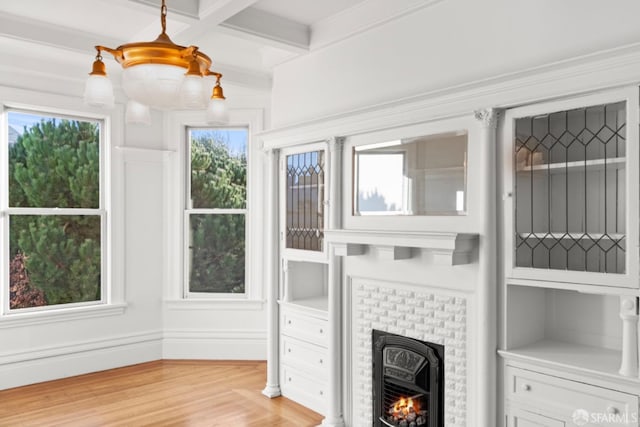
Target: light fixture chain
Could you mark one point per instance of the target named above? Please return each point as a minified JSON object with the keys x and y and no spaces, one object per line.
{"x":163,"y":17}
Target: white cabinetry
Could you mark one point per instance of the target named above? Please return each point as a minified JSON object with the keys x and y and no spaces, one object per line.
{"x":303,"y":346}
{"x":303,"y":296}
{"x":570,"y":280}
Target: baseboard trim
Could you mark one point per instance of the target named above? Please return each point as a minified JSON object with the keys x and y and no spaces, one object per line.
{"x":214,"y":345}
{"x":51,"y":363}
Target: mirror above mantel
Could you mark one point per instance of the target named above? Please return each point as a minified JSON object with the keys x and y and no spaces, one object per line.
{"x":415,"y":176}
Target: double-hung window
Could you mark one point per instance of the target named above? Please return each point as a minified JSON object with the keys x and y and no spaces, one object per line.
{"x":216,"y":212}
{"x":53,"y":224}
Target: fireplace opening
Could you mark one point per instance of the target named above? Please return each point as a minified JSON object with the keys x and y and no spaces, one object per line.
{"x":408,"y":382}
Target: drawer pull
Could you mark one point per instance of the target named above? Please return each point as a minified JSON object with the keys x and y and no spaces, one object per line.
{"x":612,"y":410}
{"x":526,"y":387}
{"x":321,"y":361}
{"x":289,"y":350}
{"x":321,"y":393}
{"x":321,"y":331}
{"x":288,"y":322}
{"x":289,"y":379}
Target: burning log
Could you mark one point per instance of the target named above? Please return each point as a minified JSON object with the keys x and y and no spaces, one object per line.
{"x":406,"y":412}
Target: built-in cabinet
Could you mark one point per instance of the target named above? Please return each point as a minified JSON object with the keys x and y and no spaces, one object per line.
{"x":570,"y":250}
{"x":304,"y":275}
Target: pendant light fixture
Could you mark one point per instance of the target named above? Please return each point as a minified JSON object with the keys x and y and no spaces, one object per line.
{"x":161,"y":75}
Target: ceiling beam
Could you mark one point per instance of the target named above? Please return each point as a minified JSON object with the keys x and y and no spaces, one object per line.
{"x":211,"y":14}
{"x":269,"y":28}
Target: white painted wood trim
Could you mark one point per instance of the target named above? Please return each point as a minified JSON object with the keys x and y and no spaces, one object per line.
{"x":61,"y":315}
{"x":486,"y":294}
{"x":271,"y":269}
{"x":450,"y":248}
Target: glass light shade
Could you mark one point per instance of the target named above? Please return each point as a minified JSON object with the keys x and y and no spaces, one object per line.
{"x":191,"y":92}
{"x":137,"y":113}
{"x":98,"y":91}
{"x":155,"y":85}
{"x":217,"y":112}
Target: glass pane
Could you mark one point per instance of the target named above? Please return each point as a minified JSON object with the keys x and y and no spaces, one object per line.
{"x":53,"y":162}
{"x":570,"y":189}
{"x":54,"y":260}
{"x":413,"y":176}
{"x":217,"y":253}
{"x":218,"y":168}
{"x":305,"y":200}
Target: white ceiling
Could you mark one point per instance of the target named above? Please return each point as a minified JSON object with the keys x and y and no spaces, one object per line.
{"x":245,"y":38}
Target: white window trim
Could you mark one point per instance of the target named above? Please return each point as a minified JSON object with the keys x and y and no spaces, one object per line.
{"x":112,"y":275}
{"x":176,"y":278}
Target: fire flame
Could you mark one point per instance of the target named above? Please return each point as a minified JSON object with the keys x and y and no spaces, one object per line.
{"x":404,"y":406}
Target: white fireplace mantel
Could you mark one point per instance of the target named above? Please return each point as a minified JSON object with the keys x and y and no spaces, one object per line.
{"x":448,"y":248}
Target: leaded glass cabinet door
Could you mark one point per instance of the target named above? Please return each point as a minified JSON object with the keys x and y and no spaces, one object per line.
{"x":571,"y":190}
{"x":304,"y":217}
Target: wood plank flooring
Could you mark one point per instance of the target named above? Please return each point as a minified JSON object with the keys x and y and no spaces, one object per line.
{"x":161,"y":393}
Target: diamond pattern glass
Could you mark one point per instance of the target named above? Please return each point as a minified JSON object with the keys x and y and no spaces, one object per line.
{"x":305,"y":200}
{"x":570,"y":189}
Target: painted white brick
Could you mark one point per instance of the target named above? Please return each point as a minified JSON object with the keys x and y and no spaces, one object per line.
{"x":422,"y":315}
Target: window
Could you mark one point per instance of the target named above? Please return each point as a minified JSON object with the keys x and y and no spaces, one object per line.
{"x":53,"y":222}
{"x":216,"y":211}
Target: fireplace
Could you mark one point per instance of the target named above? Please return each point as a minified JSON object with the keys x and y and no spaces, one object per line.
{"x":408,"y":381}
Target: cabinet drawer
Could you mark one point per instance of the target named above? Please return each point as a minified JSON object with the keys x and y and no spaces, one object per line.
{"x":304,"y":389}
{"x":306,"y":328}
{"x":563,"y":397}
{"x":520,"y":418}
{"x":308,"y":357}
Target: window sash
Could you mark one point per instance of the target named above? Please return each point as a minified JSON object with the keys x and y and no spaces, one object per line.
{"x":187,"y":254}
{"x":189,"y":210}
{"x":6,"y":212}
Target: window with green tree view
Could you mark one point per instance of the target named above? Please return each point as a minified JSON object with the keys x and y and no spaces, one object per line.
{"x":54,"y":215}
{"x":216,"y":209}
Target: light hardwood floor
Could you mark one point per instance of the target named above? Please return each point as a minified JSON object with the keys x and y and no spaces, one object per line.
{"x":161,"y":393}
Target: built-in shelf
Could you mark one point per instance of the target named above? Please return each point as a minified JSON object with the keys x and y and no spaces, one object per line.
{"x":570,"y":286}
{"x":447,"y":248}
{"x":576,"y":358}
{"x":563,"y":167}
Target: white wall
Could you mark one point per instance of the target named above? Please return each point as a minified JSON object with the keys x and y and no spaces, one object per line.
{"x":451,"y":43}
{"x":134,"y":331}
{"x":35,"y":350}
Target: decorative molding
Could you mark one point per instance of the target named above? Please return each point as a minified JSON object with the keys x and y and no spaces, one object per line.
{"x":448,"y":248}
{"x":488,"y":117}
{"x":16,"y":320}
{"x":74,"y":348}
{"x":348,"y":249}
{"x":52,"y":363}
{"x":597,"y":71}
{"x":393,"y":253}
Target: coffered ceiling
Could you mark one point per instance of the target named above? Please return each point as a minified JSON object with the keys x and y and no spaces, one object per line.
{"x":245,"y":38}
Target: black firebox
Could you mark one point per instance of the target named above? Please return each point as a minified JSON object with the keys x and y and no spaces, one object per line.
{"x":408,"y":382}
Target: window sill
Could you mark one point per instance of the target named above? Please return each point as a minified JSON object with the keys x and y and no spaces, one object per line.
{"x":60,"y":315}
{"x":218,"y":304}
